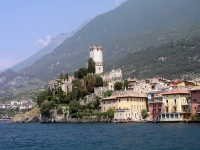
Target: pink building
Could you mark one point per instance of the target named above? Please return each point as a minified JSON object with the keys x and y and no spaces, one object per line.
{"x":195,"y":100}
{"x":156,"y":107}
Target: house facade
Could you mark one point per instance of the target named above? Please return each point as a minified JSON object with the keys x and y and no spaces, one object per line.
{"x":176,"y":105}
{"x":195,"y":101}
{"x":127,"y":105}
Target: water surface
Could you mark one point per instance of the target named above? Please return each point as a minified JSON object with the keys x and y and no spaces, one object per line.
{"x":100,"y":136}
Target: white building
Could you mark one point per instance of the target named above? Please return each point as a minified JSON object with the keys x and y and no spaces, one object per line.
{"x":96,"y":53}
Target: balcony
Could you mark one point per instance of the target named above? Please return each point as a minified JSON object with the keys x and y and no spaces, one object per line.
{"x":174,"y":104}
{"x":186,"y":111}
{"x":166,"y":105}
{"x":184,"y":104}
{"x":198,"y":111}
{"x":198,"y":103}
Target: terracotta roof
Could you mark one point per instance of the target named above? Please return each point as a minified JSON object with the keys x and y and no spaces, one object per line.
{"x":176,"y":92}
{"x":197,"y":88}
{"x":128,"y":94}
{"x":110,"y":97}
{"x":132,"y":80}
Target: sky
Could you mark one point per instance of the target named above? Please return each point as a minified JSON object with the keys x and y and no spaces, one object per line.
{"x":26,"y":26}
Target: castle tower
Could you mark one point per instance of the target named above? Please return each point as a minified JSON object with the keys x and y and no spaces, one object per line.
{"x":96,"y":53}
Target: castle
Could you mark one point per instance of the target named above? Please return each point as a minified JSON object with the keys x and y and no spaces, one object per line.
{"x":97,"y":56}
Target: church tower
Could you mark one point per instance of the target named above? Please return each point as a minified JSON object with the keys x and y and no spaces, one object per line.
{"x":96,"y":53}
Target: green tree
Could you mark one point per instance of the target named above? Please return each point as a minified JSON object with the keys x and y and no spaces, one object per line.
{"x":62,"y":76}
{"x":73,"y":93}
{"x":74,"y":106}
{"x":107,"y":93}
{"x":99,"y":81}
{"x":110,"y":113}
{"x":66,"y":76}
{"x":144,"y":113}
{"x":59,"y":110}
{"x":49,"y":94}
{"x":82,"y":72}
{"x":118,"y":86}
{"x":75,"y":74}
{"x":41,"y":97}
{"x":126,"y":84}
{"x":46,"y":108}
{"x":91,"y":83}
{"x":91,"y":66}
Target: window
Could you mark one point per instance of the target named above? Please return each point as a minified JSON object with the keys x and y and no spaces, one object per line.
{"x":167,"y":101}
{"x":119,"y":100}
{"x":127,"y":99}
{"x":109,"y":102}
{"x":175,"y":101}
{"x":194,"y":100}
{"x":174,"y":109}
{"x":154,"y":105}
{"x":103,"y":102}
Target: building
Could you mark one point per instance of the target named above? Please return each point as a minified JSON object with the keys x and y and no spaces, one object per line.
{"x":112,"y":77}
{"x":195,"y":101}
{"x":66,"y":84}
{"x":127,"y":104}
{"x":156,"y":107}
{"x":96,"y":53}
{"x":176,"y":105}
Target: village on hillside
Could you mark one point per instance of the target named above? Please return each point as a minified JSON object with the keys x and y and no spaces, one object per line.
{"x":165,"y":100}
{"x":162,"y":100}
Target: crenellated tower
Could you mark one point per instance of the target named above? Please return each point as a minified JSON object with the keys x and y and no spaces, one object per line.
{"x":96,"y":53}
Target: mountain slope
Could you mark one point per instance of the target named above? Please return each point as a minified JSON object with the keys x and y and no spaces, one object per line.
{"x":133,"y":26}
{"x":54,"y":42}
{"x":180,"y":59}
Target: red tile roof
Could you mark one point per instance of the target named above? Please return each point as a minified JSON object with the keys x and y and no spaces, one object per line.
{"x":172,"y":92}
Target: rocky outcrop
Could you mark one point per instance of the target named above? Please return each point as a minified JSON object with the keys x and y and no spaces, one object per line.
{"x":31,"y":116}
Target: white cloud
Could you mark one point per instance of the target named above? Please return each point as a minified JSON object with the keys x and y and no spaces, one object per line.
{"x":117,"y":2}
{"x":44,"y":42}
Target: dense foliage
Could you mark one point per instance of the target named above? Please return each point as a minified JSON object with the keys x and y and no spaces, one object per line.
{"x":118,"y":86}
{"x":144,"y":113}
{"x":46,"y":108}
{"x":91,"y":66}
{"x":171,"y":60}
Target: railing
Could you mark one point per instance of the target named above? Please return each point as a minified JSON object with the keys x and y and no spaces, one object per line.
{"x":159,"y":107}
{"x":198,"y":110}
{"x":164,"y":112}
{"x":186,"y":111}
{"x":174,"y":104}
{"x":166,"y":104}
{"x":184,"y":104}
{"x":198,"y":103}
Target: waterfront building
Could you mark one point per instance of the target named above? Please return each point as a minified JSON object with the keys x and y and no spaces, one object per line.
{"x":127,"y":104}
{"x":156,"y":107}
{"x":176,"y":105}
{"x":195,"y":100}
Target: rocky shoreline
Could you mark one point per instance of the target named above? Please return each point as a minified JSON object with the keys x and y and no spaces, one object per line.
{"x":34,"y":116}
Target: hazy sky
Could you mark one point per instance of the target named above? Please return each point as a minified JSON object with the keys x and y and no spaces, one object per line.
{"x":27,"y":25}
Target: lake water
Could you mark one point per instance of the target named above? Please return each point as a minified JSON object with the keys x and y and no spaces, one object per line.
{"x":94,"y":136}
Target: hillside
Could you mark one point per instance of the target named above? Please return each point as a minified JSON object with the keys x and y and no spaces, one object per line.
{"x":180,"y":59}
{"x":133,"y":26}
{"x":54,"y":42}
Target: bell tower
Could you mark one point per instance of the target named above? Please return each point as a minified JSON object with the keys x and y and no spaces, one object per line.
{"x":96,"y":53}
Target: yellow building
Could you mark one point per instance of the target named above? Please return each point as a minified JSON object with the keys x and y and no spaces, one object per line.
{"x":177,"y":105}
{"x":126,"y":105}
